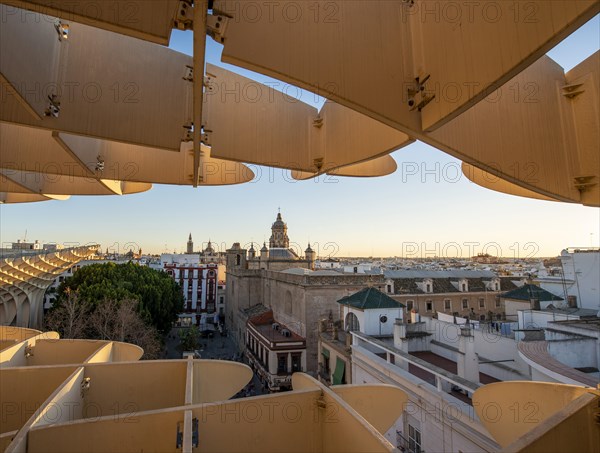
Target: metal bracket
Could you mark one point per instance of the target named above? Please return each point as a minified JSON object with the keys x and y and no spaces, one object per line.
{"x":318,"y":163}
{"x":572,"y":91}
{"x":99,"y":167}
{"x":321,"y":403}
{"x":62,"y":29}
{"x":184,"y":18}
{"x":53,"y":106}
{"x":582,"y":183}
{"x":189,"y":132}
{"x":208,"y":82}
{"x":205,"y":137}
{"x":28,"y":351}
{"x":318,"y":122}
{"x":216,"y":26}
{"x":189,"y":73}
{"x":417,"y":97}
{"x":85,"y":385}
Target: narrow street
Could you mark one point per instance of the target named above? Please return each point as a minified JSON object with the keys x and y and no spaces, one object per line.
{"x":219,"y":348}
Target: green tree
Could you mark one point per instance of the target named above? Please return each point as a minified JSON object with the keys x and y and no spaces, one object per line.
{"x":110,"y":320}
{"x":188,"y":339}
{"x":159,"y":298}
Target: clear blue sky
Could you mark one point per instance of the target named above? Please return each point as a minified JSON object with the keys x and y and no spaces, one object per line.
{"x":346,"y":216}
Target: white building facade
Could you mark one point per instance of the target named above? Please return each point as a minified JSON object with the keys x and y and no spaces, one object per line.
{"x":580,"y":280}
{"x":202,"y":285}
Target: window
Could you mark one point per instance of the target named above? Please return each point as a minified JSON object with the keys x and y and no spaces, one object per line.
{"x":465,"y":304}
{"x":414,"y":439}
{"x":429,"y":305}
{"x":481,"y":302}
{"x":325,"y":353}
{"x":428,"y":290}
{"x":389,"y":288}
{"x":238,"y":259}
{"x":482,"y":317}
{"x":447,"y":304}
{"x":464,"y":287}
{"x":352,"y":323}
{"x":409,"y":305}
{"x":220,"y":299}
{"x":281,"y":363}
{"x":497,"y":286}
{"x":497,"y":302}
{"x":296,"y":363}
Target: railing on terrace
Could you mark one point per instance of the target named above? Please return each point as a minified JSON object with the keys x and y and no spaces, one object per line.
{"x":440,"y":374}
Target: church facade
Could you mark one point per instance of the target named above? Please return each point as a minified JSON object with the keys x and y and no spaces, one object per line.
{"x":278,"y":280}
{"x":277,"y":257}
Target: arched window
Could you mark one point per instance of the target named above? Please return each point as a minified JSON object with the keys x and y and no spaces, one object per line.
{"x":352,"y":323}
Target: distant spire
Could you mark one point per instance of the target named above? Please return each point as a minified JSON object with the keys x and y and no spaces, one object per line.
{"x":190,"y":238}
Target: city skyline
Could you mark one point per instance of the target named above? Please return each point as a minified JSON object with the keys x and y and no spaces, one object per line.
{"x":427,"y":201}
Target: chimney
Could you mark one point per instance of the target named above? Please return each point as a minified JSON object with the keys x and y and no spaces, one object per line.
{"x":401,"y":341}
{"x":349,"y":340}
{"x":468,"y":362}
{"x":323,"y":325}
{"x":535,"y":304}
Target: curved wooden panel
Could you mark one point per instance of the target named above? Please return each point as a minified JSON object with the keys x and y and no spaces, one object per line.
{"x":508,"y":410}
{"x":151,"y":21}
{"x":251,"y":122}
{"x":380,"y":166}
{"x":108,"y":85}
{"x":8,"y":198}
{"x":41,"y":183}
{"x":487,"y":180}
{"x":378,"y":404}
{"x":372,"y":71}
{"x":218,"y":380}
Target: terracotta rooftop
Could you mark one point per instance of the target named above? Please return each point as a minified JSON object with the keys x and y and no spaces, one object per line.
{"x":447,"y":365}
{"x":268,"y":327}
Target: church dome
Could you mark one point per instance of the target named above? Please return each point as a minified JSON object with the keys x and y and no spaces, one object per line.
{"x":209,"y":250}
{"x":279,"y":223}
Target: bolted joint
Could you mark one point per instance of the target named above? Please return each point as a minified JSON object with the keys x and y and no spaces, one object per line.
{"x":53,"y":108}
{"x":216,"y":26}
{"x":417,"y":97}
{"x":184,"y":19}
